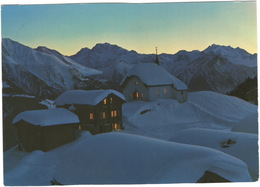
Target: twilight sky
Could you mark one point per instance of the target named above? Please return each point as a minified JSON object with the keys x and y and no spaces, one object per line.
{"x":169,"y":26}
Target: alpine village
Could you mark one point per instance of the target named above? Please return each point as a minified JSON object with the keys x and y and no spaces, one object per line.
{"x":96,"y":111}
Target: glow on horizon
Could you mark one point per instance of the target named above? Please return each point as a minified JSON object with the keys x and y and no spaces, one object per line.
{"x":141,"y":27}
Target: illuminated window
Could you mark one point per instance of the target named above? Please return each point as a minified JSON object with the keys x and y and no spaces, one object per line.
{"x":91,"y":116}
{"x":111,"y":100}
{"x":115,"y":126}
{"x":103,"y":115}
{"x":136,"y":95}
{"x":142,"y":95}
{"x":165,"y":91}
{"x":136,"y":82}
{"x":158,"y":91}
{"x":80,"y":128}
{"x":105,"y":101}
{"x":113,"y":113}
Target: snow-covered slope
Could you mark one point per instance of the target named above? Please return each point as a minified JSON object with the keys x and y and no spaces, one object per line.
{"x":125,"y":157}
{"x":217,"y":68}
{"x":249,"y":124}
{"x":234,"y":55}
{"x":142,"y":160}
{"x":240,"y":145}
{"x":115,"y":158}
{"x":40,"y":72}
{"x":163,"y":118}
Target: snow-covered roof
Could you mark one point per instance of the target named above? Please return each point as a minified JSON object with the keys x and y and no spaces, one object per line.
{"x":47,"y":117}
{"x":87,"y":97}
{"x":159,"y":162}
{"x":153,"y":75}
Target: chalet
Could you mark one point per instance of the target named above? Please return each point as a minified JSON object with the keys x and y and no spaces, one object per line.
{"x":149,"y":81}
{"x":45,"y":129}
{"x":98,"y":110}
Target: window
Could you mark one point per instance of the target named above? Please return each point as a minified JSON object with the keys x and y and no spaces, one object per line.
{"x":103,"y":115}
{"x":136,"y":82}
{"x":158,"y":91}
{"x":113,"y":113}
{"x":165,"y":91}
{"x":79,"y":127}
{"x":141,"y":95}
{"x":91,"y":116}
{"x":136,"y":95}
{"x":111,"y":100}
{"x":105,"y":101}
{"x":130,"y":95}
{"x":115,"y":126}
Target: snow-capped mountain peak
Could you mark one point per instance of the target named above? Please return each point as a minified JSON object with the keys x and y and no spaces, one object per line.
{"x":40,"y":71}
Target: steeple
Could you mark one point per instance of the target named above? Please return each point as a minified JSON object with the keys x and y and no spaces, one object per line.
{"x":156,"y":58}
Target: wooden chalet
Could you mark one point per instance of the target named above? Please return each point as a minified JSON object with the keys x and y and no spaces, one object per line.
{"x":45,"y":129}
{"x":99,"y":111}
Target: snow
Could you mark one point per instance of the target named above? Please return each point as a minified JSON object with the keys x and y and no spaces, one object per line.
{"x":166,"y":117}
{"x":92,"y":97}
{"x":235,"y":55}
{"x":244,"y":147}
{"x":56,"y":72}
{"x":47,"y":117}
{"x":153,"y":75}
{"x":5,"y":85}
{"x":114,"y":158}
{"x":47,"y":102}
{"x":33,"y":169}
{"x":18,"y":95}
{"x":247,"y":125}
{"x":198,"y":131}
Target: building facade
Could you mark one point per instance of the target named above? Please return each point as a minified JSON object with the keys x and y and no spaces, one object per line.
{"x":99,"y":111}
{"x":45,"y":129}
{"x":149,"y":81}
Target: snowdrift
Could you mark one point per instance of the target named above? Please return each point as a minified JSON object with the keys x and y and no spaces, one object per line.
{"x":164,"y":117}
{"x":240,"y":145}
{"x":115,"y":158}
{"x":247,"y":125}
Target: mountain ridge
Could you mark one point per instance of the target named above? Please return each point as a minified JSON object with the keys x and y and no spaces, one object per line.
{"x":216,"y":68}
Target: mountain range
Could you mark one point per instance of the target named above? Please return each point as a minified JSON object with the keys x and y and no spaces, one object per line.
{"x":46,"y":73}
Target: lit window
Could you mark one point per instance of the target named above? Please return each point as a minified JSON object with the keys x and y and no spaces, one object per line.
{"x":165,"y":91}
{"x":136,"y":82}
{"x":80,"y":128}
{"x":142,"y":95}
{"x":103,"y":115}
{"x":158,"y":91}
{"x":91,"y":116}
{"x":136,"y":96}
{"x":105,"y":101}
{"x":115,"y":126}
{"x":113,"y":113}
{"x":111,"y":100}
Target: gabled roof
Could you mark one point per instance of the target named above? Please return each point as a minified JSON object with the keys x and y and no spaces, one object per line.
{"x":87,"y":97}
{"x":47,"y":117}
{"x":153,"y":75}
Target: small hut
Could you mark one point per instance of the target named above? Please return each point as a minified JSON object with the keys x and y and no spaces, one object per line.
{"x":45,"y":129}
